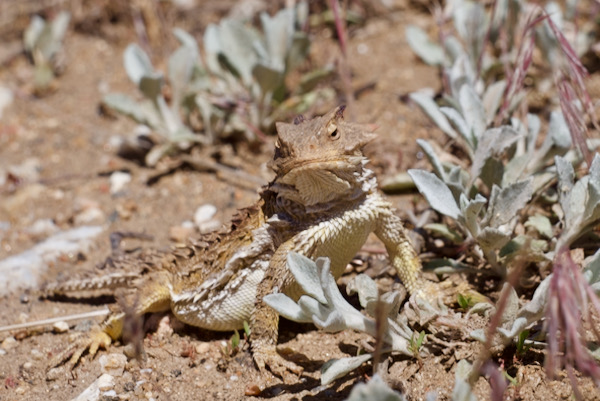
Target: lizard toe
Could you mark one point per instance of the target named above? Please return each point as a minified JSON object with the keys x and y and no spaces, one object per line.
{"x":270,"y":361}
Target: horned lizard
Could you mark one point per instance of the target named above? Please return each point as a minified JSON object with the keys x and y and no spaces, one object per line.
{"x":322,"y":202}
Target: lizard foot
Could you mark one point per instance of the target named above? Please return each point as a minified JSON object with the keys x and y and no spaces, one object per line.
{"x":447,"y":293}
{"x":269,"y":360}
{"x":92,"y":342}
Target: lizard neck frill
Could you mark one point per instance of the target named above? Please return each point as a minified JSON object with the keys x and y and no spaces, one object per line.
{"x":310,"y":191}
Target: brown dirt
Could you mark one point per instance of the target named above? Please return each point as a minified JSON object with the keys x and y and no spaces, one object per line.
{"x":71,"y":140}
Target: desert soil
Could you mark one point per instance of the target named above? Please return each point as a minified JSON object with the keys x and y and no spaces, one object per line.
{"x":64,"y":146}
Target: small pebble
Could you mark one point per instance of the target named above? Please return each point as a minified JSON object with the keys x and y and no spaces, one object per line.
{"x":20,"y":390}
{"x":55,"y":373}
{"x":36,"y":354}
{"x":9,"y":343}
{"x":89,"y":215}
{"x":28,"y":366}
{"x":119,"y":181}
{"x":60,"y":327}
{"x":43,"y":227}
{"x":106,"y":382}
{"x":110,"y":395}
{"x":202,"y":348}
{"x":204,"y":213}
{"x":180,"y":233}
{"x":113,"y":364}
{"x":2,"y":352}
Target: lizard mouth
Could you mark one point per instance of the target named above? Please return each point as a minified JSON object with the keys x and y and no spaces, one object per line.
{"x":312,"y":182}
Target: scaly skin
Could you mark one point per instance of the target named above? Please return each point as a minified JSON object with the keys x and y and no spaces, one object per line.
{"x":323,"y":202}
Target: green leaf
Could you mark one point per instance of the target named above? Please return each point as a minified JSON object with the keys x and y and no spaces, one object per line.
{"x":278,"y":33}
{"x":286,"y":307}
{"x":429,"y":51}
{"x":541,"y":224}
{"x":307,"y":275}
{"x":268,"y":78}
{"x":461,"y":125}
{"x":336,"y":368}
{"x":151,"y":86}
{"x":444,"y":231}
{"x":426,"y":103}
{"x":127,"y":106}
{"x":438,"y":168}
{"x":492,"y":239}
{"x":374,"y":390}
{"x":470,"y":210}
{"x":507,"y":202}
{"x":368,"y":294}
{"x":237,"y":45}
{"x":491,"y":99}
{"x":462,"y":390}
{"x":472,"y":110}
{"x":436,"y":192}
{"x":137,"y":64}
{"x":492,"y":143}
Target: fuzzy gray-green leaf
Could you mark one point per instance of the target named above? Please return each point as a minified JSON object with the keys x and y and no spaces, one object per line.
{"x":436,"y":192}
{"x":286,"y":307}
{"x":492,"y":143}
{"x":336,"y":368}
{"x":509,"y":201}
{"x":472,"y":110}
{"x":492,"y":239}
{"x":374,"y":390}
{"x":137,"y":63}
{"x":438,"y":168}
{"x":307,"y":275}
{"x":429,"y":51}
{"x":541,"y":224}
{"x":432,"y":110}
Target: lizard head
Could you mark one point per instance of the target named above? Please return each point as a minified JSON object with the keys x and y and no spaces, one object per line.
{"x":320,"y":159}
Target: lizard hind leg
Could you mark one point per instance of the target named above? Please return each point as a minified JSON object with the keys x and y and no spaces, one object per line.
{"x":153,"y":296}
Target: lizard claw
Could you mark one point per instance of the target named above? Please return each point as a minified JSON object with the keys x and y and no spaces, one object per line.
{"x":92,"y":342}
{"x":268,"y":359}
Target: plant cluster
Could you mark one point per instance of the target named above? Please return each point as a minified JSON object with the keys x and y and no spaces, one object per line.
{"x":523,"y":200}
{"x":518,"y":201}
{"x":237,"y":85}
{"x":42,"y":41}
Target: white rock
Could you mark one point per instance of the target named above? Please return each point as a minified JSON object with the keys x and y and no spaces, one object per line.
{"x":24,"y":269}
{"x":113,"y":364}
{"x":106,"y":382}
{"x":9,"y":343}
{"x":60,"y":327}
{"x":89,"y":215}
{"x":6,"y":98}
{"x":204,"y":213}
{"x":36,"y":354}
{"x":92,"y":393}
{"x":43,"y":227}
{"x":119,"y":181}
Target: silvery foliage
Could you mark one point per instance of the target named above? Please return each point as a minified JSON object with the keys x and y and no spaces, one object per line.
{"x":509,"y":163}
{"x":374,"y":390}
{"x":324,"y":305}
{"x":580,"y":204}
{"x":238,"y":86}
{"x":377,"y":390}
{"x":42,"y":40}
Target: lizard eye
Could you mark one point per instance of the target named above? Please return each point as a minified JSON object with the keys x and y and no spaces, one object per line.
{"x":332,"y":130}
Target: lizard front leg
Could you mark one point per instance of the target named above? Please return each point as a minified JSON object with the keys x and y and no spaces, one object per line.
{"x":264,"y":322}
{"x":403,"y":256}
